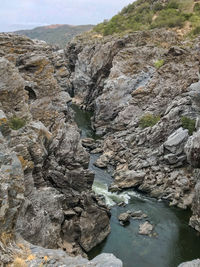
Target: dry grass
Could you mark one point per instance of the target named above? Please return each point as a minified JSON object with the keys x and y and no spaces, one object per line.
{"x":19,"y":262}
{"x":5,"y":238}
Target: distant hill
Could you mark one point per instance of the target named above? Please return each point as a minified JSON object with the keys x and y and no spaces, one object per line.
{"x":58,"y":34}
{"x":184,"y":15}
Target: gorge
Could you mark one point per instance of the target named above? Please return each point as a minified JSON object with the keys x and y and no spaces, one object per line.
{"x":174,"y":242}
{"x":135,"y":99}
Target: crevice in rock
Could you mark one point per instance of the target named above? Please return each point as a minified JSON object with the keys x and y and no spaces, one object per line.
{"x":31,"y":93}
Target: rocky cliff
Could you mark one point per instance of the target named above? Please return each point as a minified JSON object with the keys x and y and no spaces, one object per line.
{"x":144,"y":91}
{"x":45,"y":188}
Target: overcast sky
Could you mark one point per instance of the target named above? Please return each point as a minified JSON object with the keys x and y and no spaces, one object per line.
{"x":27,"y":14}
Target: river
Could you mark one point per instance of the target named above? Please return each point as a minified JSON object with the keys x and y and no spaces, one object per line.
{"x":175,"y":242}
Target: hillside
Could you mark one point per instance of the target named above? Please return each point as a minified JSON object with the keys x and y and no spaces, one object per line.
{"x":58,"y":34}
{"x":150,"y":14}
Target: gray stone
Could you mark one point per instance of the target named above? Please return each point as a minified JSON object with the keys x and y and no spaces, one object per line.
{"x":138,"y":215}
{"x":145,"y":228}
{"x":194,"y":263}
{"x":192,"y":150}
{"x":124,"y":217}
{"x":48,"y":158}
{"x":175,"y":142}
{"x":129,"y":178}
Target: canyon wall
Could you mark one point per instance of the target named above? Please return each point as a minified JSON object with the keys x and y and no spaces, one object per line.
{"x":144,"y":91}
{"x":46,"y":188}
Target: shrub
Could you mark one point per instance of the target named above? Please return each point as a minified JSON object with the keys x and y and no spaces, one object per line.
{"x":173,"y":4}
{"x":16,"y":123}
{"x":128,"y":9}
{"x":148,"y":120}
{"x":197,"y":8}
{"x":189,"y":124}
{"x":139,"y":16}
{"x":169,"y":18}
{"x":159,"y":63}
{"x":157,"y":7}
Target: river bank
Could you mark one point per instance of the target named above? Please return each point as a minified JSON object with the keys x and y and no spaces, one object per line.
{"x":175,"y":241}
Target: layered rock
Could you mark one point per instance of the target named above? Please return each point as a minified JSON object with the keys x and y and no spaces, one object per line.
{"x":52,"y":204}
{"x":122,"y":82}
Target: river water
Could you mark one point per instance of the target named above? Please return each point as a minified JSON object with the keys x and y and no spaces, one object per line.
{"x":175,"y":242}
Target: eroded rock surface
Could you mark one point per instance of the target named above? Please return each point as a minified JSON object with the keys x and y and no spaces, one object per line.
{"x":49,"y":201}
{"x":119,"y":80}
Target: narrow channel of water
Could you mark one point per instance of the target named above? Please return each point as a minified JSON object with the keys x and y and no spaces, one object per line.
{"x":176,"y":242}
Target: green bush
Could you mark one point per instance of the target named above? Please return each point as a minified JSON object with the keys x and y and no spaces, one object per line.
{"x":173,"y":4}
{"x":16,"y":123}
{"x":157,"y":7}
{"x":139,"y":16}
{"x":159,"y":63}
{"x":189,"y":124}
{"x":197,"y":8}
{"x":128,"y":9}
{"x":169,"y":18}
{"x":148,"y":120}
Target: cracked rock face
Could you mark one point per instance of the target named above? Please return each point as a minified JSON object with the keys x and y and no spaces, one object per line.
{"x":52,"y":203}
{"x":192,"y":151}
{"x":151,"y":157}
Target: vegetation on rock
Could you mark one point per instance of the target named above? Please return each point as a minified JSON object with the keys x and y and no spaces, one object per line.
{"x":149,"y":14}
{"x":16,"y":123}
{"x":159,"y":63}
{"x":189,"y":124}
{"x":148,"y":120}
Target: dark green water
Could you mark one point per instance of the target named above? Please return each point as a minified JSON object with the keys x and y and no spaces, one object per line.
{"x":176,"y":242}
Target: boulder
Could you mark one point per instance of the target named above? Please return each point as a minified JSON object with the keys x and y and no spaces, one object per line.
{"x":124,"y":218}
{"x":138,"y":215}
{"x":145,"y":228}
{"x":176,"y":141}
{"x":129,"y":178}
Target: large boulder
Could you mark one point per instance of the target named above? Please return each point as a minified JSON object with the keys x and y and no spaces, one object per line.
{"x":176,"y":141}
{"x":129,"y":178}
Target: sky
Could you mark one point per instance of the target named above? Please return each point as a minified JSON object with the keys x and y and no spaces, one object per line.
{"x":27,"y":14}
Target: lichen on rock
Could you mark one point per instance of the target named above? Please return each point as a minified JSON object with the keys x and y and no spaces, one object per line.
{"x":46,"y":187}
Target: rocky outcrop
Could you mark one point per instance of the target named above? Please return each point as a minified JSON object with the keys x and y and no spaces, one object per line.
{"x":50,"y":203}
{"x":145,"y":228}
{"x":140,"y":107}
{"x":40,"y":256}
{"x":194,"y":263}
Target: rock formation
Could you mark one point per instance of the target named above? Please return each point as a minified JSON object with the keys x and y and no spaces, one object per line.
{"x":143,"y":89}
{"x":194,"y":263}
{"x":45,"y":187}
